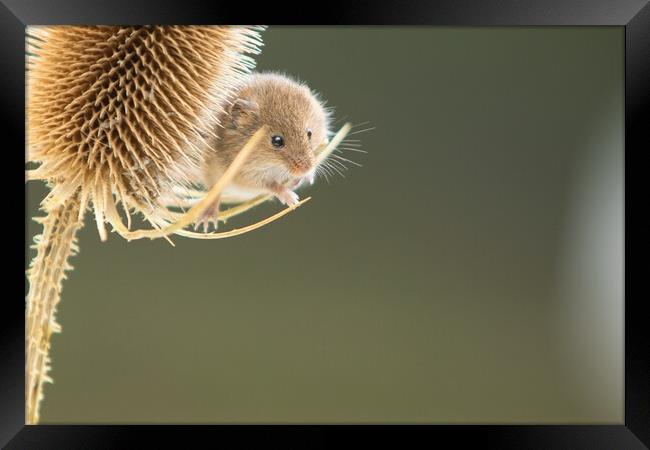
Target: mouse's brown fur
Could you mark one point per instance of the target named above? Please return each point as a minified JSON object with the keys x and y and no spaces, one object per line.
{"x":289,"y":110}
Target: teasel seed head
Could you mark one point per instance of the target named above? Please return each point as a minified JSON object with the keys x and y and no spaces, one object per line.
{"x":122,"y":114}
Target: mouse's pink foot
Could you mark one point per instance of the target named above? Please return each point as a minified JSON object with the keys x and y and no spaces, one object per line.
{"x":288,"y":197}
{"x":284,"y":194}
{"x":208,"y":216}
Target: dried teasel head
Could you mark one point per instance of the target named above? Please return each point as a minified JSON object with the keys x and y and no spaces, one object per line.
{"x":121,"y":114}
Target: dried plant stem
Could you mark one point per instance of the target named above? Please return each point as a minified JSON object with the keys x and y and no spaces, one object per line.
{"x":331,"y":145}
{"x":54,"y":246}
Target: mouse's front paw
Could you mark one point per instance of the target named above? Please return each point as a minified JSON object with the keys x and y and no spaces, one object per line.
{"x":208,"y":216}
{"x":287,"y":197}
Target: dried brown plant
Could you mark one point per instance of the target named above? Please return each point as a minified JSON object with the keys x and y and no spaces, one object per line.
{"x":121,"y":116}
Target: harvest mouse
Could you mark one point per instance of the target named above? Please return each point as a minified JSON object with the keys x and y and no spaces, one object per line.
{"x":297,"y":124}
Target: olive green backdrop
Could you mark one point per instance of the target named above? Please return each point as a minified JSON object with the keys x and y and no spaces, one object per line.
{"x":470,"y":272}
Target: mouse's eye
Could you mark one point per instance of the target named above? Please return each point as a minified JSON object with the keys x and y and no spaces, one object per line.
{"x":277,"y":141}
{"x":308,"y":133}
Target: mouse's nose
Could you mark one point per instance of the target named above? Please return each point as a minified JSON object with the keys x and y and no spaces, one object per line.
{"x":302,"y":166}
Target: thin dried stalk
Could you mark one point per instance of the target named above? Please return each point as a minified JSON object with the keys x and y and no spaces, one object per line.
{"x":54,"y":246}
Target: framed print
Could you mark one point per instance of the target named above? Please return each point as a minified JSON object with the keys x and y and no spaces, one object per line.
{"x":418,"y":219}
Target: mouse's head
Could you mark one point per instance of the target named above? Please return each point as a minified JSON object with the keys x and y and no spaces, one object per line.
{"x":296,"y":120}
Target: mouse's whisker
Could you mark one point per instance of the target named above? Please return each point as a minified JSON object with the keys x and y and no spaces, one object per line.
{"x":338,"y":171}
{"x":330,"y":171}
{"x":361,"y":131}
{"x":351,"y":144}
{"x":355,"y":150}
{"x":320,"y":172}
{"x":329,"y":165}
{"x":360,"y":124}
{"x":327,"y":172}
{"x":339,"y":120}
{"x":338,"y":163}
{"x":341,"y":150}
{"x":326,"y":168}
{"x":347,"y":160}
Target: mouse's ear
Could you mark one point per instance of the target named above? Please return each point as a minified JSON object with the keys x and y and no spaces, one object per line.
{"x":243,"y":112}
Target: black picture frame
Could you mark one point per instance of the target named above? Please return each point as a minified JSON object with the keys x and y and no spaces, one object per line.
{"x":633,"y":15}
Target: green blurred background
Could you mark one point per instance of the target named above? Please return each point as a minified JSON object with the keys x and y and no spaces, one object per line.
{"x":470,"y":272}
